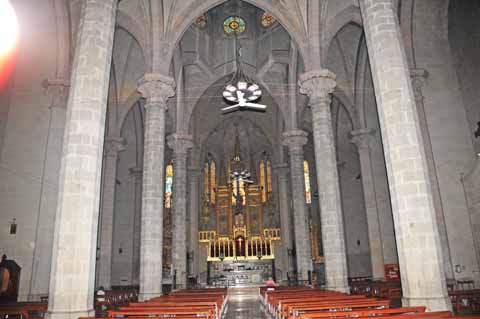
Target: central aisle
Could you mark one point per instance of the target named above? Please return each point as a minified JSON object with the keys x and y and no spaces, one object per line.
{"x":244,"y":303}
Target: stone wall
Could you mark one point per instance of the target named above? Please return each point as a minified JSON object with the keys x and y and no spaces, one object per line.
{"x":464,"y":38}
{"x":353,"y":205}
{"x":449,"y":128}
{"x":29,"y":165}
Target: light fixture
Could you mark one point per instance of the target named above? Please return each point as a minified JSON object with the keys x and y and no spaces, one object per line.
{"x":240,"y":89}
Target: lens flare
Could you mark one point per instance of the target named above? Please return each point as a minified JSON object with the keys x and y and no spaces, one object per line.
{"x":8,"y":40}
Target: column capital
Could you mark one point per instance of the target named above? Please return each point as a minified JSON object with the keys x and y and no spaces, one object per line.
{"x":114,"y":145}
{"x":156,"y":89}
{"x":362,"y":137}
{"x":317,"y":85}
{"x":180,"y":143}
{"x":58,"y":89}
{"x":294,"y":139}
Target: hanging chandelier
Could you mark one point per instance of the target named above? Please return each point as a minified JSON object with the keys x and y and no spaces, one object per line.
{"x":240,"y":89}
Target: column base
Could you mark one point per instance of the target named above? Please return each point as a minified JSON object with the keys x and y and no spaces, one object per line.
{"x":148,"y":295}
{"x":432,"y":303}
{"x":70,"y":314}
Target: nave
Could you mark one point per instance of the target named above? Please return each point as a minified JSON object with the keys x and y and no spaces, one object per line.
{"x":366,"y":300}
{"x":133,"y":162}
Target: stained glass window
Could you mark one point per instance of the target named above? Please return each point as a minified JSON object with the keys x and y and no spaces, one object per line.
{"x":234,"y":25}
{"x":308,"y":190}
{"x":201,"y":21}
{"x":168,"y":185}
{"x":209,"y":180}
{"x":266,"y":179}
{"x":267,"y":20}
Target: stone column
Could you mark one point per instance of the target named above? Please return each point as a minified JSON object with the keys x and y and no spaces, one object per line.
{"x":318,"y":85}
{"x":416,"y":231}
{"x":194,"y":176}
{"x":137,"y":174}
{"x":113,"y":145}
{"x":72,"y":278}
{"x":157,"y":89}
{"x":180,"y":145}
{"x":281,"y":171}
{"x":295,"y":140}
{"x":362,"y":139}
{"x":418,"y":77}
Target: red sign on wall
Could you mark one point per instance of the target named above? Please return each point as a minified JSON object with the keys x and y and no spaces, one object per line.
{"x":392,"y":272}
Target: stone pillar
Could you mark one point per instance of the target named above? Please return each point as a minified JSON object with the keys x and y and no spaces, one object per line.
{"x":180,"y":145}
{"x":72,"y":278}
{"x":416,"y":231}
{"x":362,"y":139}
{"x":418,"y":77}
{"x":318,"y":85}
{"x":137,"y":174}
{"x":281,"y":171}
{"x":194,"y":176}
{"x":113,"y":145}
{"x":295,"y":140}
{"x":157,"y":89}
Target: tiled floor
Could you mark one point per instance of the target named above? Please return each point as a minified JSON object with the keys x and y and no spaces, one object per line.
{"x":245,"y":309}
{"x":244,"y":303}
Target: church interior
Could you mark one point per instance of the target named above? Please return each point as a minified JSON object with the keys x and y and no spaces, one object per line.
{"x":239,"y":158}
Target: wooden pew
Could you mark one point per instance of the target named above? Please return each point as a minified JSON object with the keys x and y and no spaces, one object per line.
{"x":204,"y":303}
{"x":296,"y":311}
{"x":24,"y":309}
{"x":286,"y":305}
{"x":465,"y":301}
{"x":177,"y":311}
{"x":363,"y":313}
{"x":113,"y":299}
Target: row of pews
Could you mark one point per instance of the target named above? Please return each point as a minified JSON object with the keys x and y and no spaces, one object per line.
{"x":35,"y":310}
{"x":112,"y":299}
{"x":24,"y":310}
{"x":309,"y":303}
{"x":391,"y":290}
{"x":464,"y":301}
{"x":183,"y":304}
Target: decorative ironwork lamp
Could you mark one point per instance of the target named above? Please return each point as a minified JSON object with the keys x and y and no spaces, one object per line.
{"x":240,"y":89}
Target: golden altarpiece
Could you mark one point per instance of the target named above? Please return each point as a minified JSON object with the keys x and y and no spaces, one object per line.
{"x":240,"y":249}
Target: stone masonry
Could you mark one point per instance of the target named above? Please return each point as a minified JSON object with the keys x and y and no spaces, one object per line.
{"x":180,"y":145}
{"x":113,"y":145}
{"x":295,"y":140}
{"x":362,"y":140}
{"x":418,"y":242}
{"x":73,"y":262}
{"x":418,"y":77}
{"x":318,"y":85}
{"x":137,"y":175}
{"x":282,"y":175}
{"x":157,"y":89}
{"x":194,"y":177}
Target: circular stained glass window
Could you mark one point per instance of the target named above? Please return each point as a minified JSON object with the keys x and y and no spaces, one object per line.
{"x":234,"y":25}
{"x":267,"y":20}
